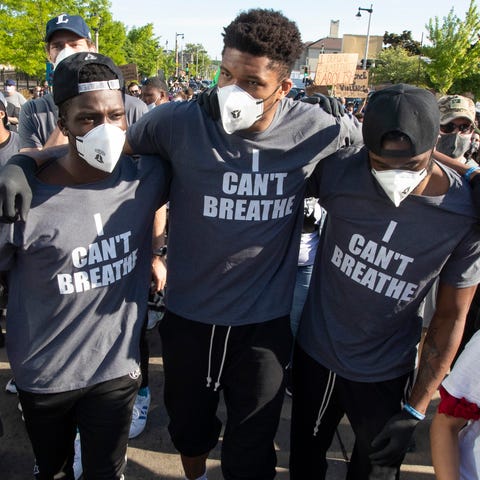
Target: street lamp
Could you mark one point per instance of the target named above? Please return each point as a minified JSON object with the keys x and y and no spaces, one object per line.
{"x":369,"y":10}
{"x":176,"y":51}
{"x":97,"y":20}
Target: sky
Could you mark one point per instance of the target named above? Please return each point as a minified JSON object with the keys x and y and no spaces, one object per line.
{"x":202,"y":22}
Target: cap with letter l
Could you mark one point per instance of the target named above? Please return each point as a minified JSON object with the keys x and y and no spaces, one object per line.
{"x":73,"y":23}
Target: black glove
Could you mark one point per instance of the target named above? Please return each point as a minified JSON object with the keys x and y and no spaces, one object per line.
{"x":331,"y":105}
{"x":391,"y":444}
{"x":208,"y":100}
{"x":15,"y":192}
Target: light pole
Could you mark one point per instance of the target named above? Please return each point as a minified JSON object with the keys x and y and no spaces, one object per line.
{"x":97,"y":20}
{"x":176,"y":52}
{"x":369,"y":10}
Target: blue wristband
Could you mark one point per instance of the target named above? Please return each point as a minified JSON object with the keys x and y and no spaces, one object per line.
{"x":469,"y":172}
{"x":415,"y":413}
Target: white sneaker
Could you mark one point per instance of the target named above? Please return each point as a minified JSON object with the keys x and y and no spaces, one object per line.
{"x":154,"y":318}
{"x":77,"y":459}
{"x":139,"y":415}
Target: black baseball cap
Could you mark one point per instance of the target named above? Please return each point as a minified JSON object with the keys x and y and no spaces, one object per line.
{"x":73,"y":23}
{"x":401,"y":108}
{"x":66,"y":83}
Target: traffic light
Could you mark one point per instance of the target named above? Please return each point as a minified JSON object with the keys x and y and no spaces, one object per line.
{"x":186,"y":68}
{"x":305,"y":71}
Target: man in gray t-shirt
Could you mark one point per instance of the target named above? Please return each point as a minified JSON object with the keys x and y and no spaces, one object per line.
{"x":65,"y":34}
{"x":396,"y":222}
{"x":236,"y":209}
{"x":9,"y":141}
{"x":79,"y":270}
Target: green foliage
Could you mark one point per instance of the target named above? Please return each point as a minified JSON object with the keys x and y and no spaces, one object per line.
{"x":142,"y":47}
{"x":455,"y":49}
{"x":22,"y":28}
{"x":404,"y":41}
{"x":22,"y":32}
{"x":397,"y":65}
{"x":197,"y":58}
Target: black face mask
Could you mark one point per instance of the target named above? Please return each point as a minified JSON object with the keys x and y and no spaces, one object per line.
{"x":454,"y":145}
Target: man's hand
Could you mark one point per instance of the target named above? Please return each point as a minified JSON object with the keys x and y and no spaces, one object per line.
{"x":15,"y":193}
{"x":208,"y":100}
{"x":331,"y":105}
{"x":159,"y":273}
{"x":391,"y":444}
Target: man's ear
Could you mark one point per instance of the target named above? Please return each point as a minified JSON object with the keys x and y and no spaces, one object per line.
{"x":61,"y":126}
{"x":285,"y":86}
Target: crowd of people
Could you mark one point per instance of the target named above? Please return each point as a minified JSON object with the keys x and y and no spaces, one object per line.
{"x":303,"y":241}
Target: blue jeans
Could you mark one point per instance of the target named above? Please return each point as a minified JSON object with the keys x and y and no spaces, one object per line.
{"x":304,"y":274}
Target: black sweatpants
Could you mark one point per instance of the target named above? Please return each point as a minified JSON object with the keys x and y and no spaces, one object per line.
{"x":247,"y":363}
{"x":320,"y":400}
{"x":102,"y":413}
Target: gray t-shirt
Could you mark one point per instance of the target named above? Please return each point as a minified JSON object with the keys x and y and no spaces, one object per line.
{"x":236,"y":206}
{"x":79,"y":274}
{"x":38,"y":119}
{"x":376,"y":263}
{"x":10,"y":148}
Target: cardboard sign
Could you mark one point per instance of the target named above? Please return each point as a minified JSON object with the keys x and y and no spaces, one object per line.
{"x":129,"y":71}
{"x":357,"y":89}
{"x":336,"y":68}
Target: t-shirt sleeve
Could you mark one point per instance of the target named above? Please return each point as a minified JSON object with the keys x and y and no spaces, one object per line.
{"x":27,"y":130}
{"x":457,"y":407}
{"x":150,"y":134}
{"x":462,"y":269}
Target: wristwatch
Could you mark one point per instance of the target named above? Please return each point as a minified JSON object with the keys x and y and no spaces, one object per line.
{"x":160,"y":252}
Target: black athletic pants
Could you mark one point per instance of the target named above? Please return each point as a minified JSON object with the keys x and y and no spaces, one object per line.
{"x":320,"y":400}
{"x":102,"y":413}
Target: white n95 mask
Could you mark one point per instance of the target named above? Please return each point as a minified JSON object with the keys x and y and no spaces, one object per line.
{"x":63,"y":54}
{"x":102,"y":146}
{"x":398,"y":184}
{"x":238,"y":109}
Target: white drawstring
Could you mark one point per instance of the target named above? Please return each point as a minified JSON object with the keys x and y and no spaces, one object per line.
{"x":209,"y":377}
{"x":325,"y":400}
{"x":217,"y":383}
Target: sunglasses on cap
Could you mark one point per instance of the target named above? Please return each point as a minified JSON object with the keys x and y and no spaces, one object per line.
{"x":451,"y":127}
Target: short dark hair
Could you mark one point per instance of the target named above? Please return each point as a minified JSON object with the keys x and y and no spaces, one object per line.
{"x":90,"y":72}
{"x":266,"y":33}
{"x":156,"y":82}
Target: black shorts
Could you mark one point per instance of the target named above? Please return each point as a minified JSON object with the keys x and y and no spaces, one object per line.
{"x":247,"y":364}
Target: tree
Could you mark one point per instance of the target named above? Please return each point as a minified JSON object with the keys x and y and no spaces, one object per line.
{"x":142,"y":48}
{"x":196,"y":56}
{"x":404,"y":41}
{"x":455,"y":49}
{"x":22,"y":29}
{"x":396,"y":65}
